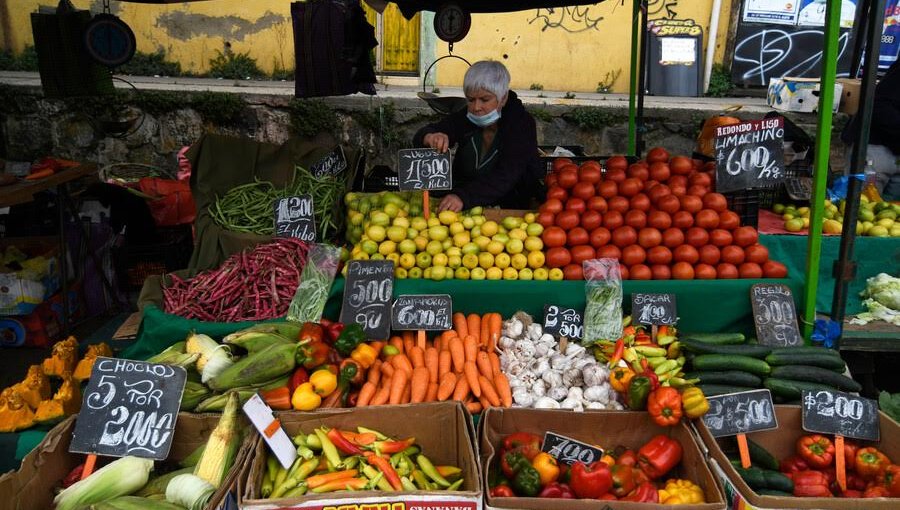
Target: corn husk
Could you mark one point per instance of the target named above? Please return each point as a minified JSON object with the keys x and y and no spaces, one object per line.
{"x":120,"y":477}
{"x":189,"y":491}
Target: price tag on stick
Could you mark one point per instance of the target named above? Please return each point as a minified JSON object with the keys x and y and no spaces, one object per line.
{"x":368,"y":292}
{"x":424,"y":169}
{"x":563,"y":322}
{"x":774,"y":315}
{"x":569,"y":451}
{"x":750,"y":155}
{"x":736,"y":414}
{"x":295,"y":217}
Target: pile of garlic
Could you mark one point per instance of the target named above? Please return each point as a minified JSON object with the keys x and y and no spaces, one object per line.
{"x":544,"y":377}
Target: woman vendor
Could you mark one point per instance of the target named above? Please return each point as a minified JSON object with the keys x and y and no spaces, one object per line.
{"x":496,"y":161}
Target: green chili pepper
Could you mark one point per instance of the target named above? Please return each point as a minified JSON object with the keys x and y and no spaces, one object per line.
{"x":638,"y":392}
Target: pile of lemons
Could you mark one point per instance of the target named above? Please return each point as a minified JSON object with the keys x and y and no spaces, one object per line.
{"x":875,"y":219}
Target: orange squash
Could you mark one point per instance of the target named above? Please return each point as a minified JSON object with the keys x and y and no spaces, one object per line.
{"x":67,"y":401}
{"x":14,"y":412}
{"x":84,"y":367}
{"x":35,"y":387}
{"x":63,"y":358}
{"x":707,"y":138}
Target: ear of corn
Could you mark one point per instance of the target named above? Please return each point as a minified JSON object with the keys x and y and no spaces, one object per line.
{"x":135,"y":503}
{"x":255,"y":341}
{"x":194,"y":393}
{"x":290,"y":330}
{"x":189,"y":491}
{"x":273,"y":361}
{"x":157,"y":485}
{"x":222,"y":446}
{"x":120,"y":477}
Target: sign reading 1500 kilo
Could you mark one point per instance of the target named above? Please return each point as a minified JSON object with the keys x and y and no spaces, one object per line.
{"x":129,"y":408}
{"x":750,"y":155}
{"x":424,"y":169}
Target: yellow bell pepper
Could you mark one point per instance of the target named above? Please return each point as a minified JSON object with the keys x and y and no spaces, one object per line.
{"x":305,"y":398}
{"x":694,"y":402}
{"x":546,"y":466}
{"x":323,"y":382}
{"x":364,"y":354}
{"x":681,"y":492}
{"x":619,"y":378}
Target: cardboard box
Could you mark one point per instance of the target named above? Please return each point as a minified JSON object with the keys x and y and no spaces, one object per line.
{"x":606,"y":428}
{"x":849,"y":95}
{"x":798,"y":94}
{"x":32,"y":486}
{"x":20,"y":296}
{"x":780,"y":443}
{"x":495,"y":214}
{"x":442,"y":429}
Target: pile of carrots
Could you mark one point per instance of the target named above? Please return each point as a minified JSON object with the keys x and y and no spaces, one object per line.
{"x":458,"y":364}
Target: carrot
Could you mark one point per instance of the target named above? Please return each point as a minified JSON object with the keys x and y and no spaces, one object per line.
{"x":460,"y":324}
{"x":474,"y":407}
{"x":374,"y":375}
{"x":409,"y":340}
{"x":398,"y":386}
{"x":495,"y":326}
{"x":432,"y":363}
{"x":365,"y":394}
{"x":431,"y":394}
{"x":457,"y":354}
{"x":383,"y":393}
{"x":437,"y":342}
{"x":378,"y":345}
{"x":417,"y":356}
{"x":445,"y":339}
{"x":446,"y":386}
{"x":418,"y":385}
{"x":397,"y":342}
{"x":387,"y":369}
{"x":401,"y":362}
{"x":485,"y":330}
{"x":495,"y":362}
{"x":421,"y":339}
{"x":444,"y":363}
{"x":487,"y":388}
{"x":503,"y":389}
{"x":462,"y":389}
{"x":485,"y":403}
{"x":472,"y":378}
{"x":470,"y":344}
{"x":473,"y":322}
{"x":484,"y":365}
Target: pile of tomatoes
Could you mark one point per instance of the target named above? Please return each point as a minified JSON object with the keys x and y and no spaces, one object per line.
{"x":658,"y":216}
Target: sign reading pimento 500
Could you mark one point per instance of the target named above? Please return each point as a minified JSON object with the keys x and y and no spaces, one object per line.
{"x":129,"y":408}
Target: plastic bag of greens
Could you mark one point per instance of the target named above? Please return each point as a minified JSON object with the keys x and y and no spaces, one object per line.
{"x":603,"y":307}
{"x":315,"y":283}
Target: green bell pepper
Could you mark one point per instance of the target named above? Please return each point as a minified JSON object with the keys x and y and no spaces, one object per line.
{"x":638,"y":392}
{"x":527,"y":482}
{"x":351,"y":336}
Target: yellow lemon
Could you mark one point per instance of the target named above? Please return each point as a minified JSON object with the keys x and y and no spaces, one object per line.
{"x":468,"y":223}
{"x":477,"y":274}
{"x":494,"y":273}
{"x":418,"y":223}
{"x":434,"y":247}
{"x":518,"y":233}
{"x":489,"y":228}
{"x":534,"y":244}
{"x":535,"y":259}
{"x":438,"y":273}
{"x":530,"y":217}
{"x":456,"y":228}
{"x":380,"y":218}
{"x":518,"y":261}
{"x":541,"y":273}
{"x":502,"y":260}
{"x":454,"y":261}
{"x":400,"y":273}
{"x":526,"y":274}
{"x":407,"y":246}
{"x":438,"y":233}
{"x":368,"y":247}
{"x":495,"y":247}
{"x":510,"y":274}
{"x":556,"y":274}
{"x":421,"y":243}
{"x":485,"y":260}
{"x":423,"y":260}
{"x":461,"y":239}
{"x":433,"y":222}
{"x":396,"y":233}
{"x":393,"y":257}
{"x":376,"y":233}
{"x":470,"y":260}
{"x":439,"y":260}
{"x":515,"y":246}
{"x":414,"y":273}
{"x":482,"y":242}
{"x":407,"y":260}
{"x":534,"y":229}
{"x":470,"y":248}
{"x":462,"y":273}
{"x":447,"y":217}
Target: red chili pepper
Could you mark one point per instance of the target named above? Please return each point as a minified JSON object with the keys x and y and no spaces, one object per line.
{"x":811,"y":484}
{"x":643,"y":339}
{"x":590,"y":481}
{"x":648,"y":372}
{"x":528,"y":444}
{"x":816,"y":449}
{"x":659,"y":455}
{"x":645,"y":493}
{"x":341,"y":443}
{"x":394,"y":446}
{"x":385,"y":467}
{"x":617,"y":352}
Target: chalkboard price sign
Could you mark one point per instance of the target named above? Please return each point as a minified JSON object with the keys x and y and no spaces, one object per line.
{"x":427,"y":312}
{"x":653,"y":309}
{"x":750,"y":155}
{"x":740,"y":413}
{"x":835,"y":412}
{"x":129,"y":408}
{"x":334,"y":163}
{"x":294,"y":217}
{"x":774,"y":315}
{"x":368,"y":292}
{"x":424,"y":169}
{"x":568,"y":450}
{"x":564,"y":322}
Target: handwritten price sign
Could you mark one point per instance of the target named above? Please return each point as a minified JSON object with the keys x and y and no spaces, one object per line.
{"x":367,"y":296}
{"x":568,"y":450}
{"x":740,"y":413}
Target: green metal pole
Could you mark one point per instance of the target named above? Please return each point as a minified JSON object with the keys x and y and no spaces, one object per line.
{"x":823,"y":150}
{"x":633,"y":79}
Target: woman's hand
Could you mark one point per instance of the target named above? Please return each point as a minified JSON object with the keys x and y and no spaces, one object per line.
{"x":450,"y":203}
{"x":437,"y":141}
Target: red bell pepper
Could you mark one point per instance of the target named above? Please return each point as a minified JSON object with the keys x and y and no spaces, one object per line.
{"x":609,"y":496}
{"x":73,"y":476}
{"x":811,"y":484}
{"x":890,"y":479}
{"x":854,"y":482}
{"x":851,"y":494}
{"x":850,"y":449}
{"x":623,"y":479}
{"x":297,"y":378}
{"x":876,"y":491}
{"x":626,"y":457}
{"x":659,"y":455}
{"x":312,"y":354}
{"x":528,"y":444}
{"x":816,"y":449}
{"x":332,"y":329}
{"x":311,"y":332}
{"x":590,"y":481}
{"x":277,"y":398}
{"x":793,"y":464}
{"x":870,"y":462}
{"x":664,"y":406}
{"x":556,"y":490}
{"x":644,"y":493}
{"x":502,"y":491}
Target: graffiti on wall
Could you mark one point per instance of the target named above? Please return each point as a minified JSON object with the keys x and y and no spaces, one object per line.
{"x":571,"y":19}
{"x":662,"y":8}
{"x":762,"y":53}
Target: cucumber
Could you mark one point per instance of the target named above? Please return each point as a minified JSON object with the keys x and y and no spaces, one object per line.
{"x":711,"y":390}
{"x":761,"y":457}
{"x":791,"y":390}
{"x":806,"y":349}
{"x":715,"y":338}
{"x":777,"y":481}
{"x":828,"y":361}
{"x":816,"y":374}
{"x":727,"y":377}
{"x":715,"y":362}
{"x":753,"y":477}
{"x":754,"y":351}
{"x":773,"y":492}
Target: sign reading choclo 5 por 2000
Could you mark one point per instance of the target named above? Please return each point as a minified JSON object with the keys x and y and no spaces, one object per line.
{"x":750,"y":155}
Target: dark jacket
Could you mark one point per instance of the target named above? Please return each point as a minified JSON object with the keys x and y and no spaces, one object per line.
{"x":885,"y":127}
{"x":514,"y":180}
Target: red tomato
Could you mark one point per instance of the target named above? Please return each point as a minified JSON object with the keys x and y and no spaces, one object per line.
{"x":618,"y":204}
{"x":616,"y":163}
{"x":700,"y":179}
{"x":567,"y":220}
{"x":640,"y":202}
{"x":558,"y":163}
{"x":696,"y":237}
{"x":697,"y":191}
{"x":686,"y":253}
{"x":678,"y":180}
{"x":573,"y":272}
{"x":552,"y":205}
{"x":657,"y":154}
{"x":554,"y":237}
{"x":720,"y":237}
{"x":638,"y":171}
{"x":683,"y":220}
{"x":659,"y":171}
{"x":597,"y":204}
{"x":624,"y":273}
{"x":610,"y":251}
{"x":600,"y":236}
{"x":591,"y":219}
{"x":707,"y":218}
{"x":630,"y":187}
{"x":729,"y":220}
{"x":545,"y":218}
{"x":623,"y":236}
{"x":558,"y":257}
{"x":659,"y":255}
{"x":657,"y":192}
{"x":745,"y":236}
{"x":659,"y":220}
{"x":710,"y":254}
{"x":691,"y":203}
{"x":640,"y":272}
{"x":613,"y":220}
{"x":669,"y":203}
{"x":726,"y":271}
{"x":661,"y":272}
{"x":772,"y":269}
{"x":678,"y":190}
{"x":698,"y":164}
{"x":750,"y":270}
{"x":582,"y":253}
{"x":607,"y":189}
{"x":568,"y":177}
{"x":552,"y":180}
{"x":557,"y":193}
{"x":732,"y":255}
{"x":709,"y":166}
{"x":576,"y":204}
{"x":704,"y":272}
{"x":682,"y":271}
{"x":649,"y":237}
{"x":583,"y":190}
{"x":589,"y":171}
{"x":633,"y":254}
{"x":756,"y":253}
{"x":715,"y":201}
{"x":672,"y":237}
{"x":681,"y":165}
{"x":616,"y":176}
{"x":577,"y":237}
{"x":635,"y":218}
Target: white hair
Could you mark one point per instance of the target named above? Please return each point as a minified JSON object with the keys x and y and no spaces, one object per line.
{"x":488,"y":75}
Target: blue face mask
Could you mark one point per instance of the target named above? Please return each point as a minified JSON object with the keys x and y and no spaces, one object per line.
{"x":484,"y":120}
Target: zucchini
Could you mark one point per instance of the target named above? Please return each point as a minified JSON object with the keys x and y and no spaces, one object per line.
{"x":806,"y":349}
{"x":754,"y":351}
{"x":715,"y":362}
{"x":773,"y":492}
{"x":761,"y":457}
{"x":715,"y":338}
{"x":732,"y":377}
{"x":753,"y":477}
{"x":816,"y":374}
{"x":777,"y":481}
{"x":828,"y":361}
{"x":791,"y":390}
{"x":711,"y":390}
